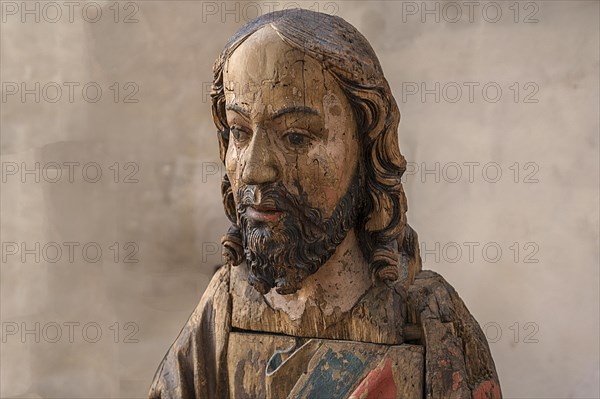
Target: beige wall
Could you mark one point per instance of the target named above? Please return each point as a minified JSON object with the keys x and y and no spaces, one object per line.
{"x":171,"y":219}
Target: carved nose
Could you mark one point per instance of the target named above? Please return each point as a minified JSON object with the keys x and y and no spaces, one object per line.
{"x":261,"y":166}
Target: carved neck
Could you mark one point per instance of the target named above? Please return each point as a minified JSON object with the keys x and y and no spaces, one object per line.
{"x":336,"y":286}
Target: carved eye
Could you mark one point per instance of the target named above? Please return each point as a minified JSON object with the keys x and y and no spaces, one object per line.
{"x":240,"y":135}
{"x":297,"y":139}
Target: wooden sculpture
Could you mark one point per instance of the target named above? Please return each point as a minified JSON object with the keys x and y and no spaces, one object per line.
{"x":322,"y":295}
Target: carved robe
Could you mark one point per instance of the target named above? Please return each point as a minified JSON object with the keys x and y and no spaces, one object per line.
{"x":235,"y":345}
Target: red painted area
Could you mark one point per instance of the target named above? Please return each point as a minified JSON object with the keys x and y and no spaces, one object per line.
{"x":378,"y":384}
{"x":456,"y":380}
{"x":487,"y":390}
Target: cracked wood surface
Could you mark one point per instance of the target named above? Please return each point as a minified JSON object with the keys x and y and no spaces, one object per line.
{"x":458,"y":363}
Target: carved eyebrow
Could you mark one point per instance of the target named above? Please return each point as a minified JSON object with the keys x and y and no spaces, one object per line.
{"x":238,"y":109}
{"x":293,"y":110}
{"x":289,"y":110}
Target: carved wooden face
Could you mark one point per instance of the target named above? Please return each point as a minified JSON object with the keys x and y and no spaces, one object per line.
{"x":292,"y":160}
{"x":290,"y":122}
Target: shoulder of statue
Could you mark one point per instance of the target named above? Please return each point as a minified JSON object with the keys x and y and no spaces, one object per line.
{"x":459,"y":362}
{"x":197,"y":358}
{"x":216,"y":293}
{"x":431,"y":296}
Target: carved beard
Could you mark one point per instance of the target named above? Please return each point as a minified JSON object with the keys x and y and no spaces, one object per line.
{"x":284,"y":254}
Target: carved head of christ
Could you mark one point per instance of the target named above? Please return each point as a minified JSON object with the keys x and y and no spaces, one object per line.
{"x":307,"y":133}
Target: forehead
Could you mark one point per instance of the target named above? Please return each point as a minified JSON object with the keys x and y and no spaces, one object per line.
{"x":265,"y":74}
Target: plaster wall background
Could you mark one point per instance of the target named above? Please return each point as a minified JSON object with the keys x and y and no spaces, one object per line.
{"x":158,"y":196}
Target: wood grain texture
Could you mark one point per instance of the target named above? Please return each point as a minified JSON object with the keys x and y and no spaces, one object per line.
{"x":456,"y":361}
{"x":378,"y":317}
{"x":247,"y":357}
{"x":459,"y":363}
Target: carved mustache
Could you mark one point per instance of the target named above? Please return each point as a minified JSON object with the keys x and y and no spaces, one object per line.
{"x":275,"y":197}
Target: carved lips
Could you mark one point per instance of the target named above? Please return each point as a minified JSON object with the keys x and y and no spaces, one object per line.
{"x":263,"y":214}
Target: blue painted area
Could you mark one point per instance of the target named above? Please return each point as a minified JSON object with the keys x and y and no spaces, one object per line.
{"x":334,"y":376}
{"x":274,"y":362}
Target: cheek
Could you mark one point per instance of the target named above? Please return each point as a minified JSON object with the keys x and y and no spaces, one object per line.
{"x":327,"y":173}
{"x":329,"y":167}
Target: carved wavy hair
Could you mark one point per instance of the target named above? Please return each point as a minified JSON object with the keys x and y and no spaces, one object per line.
{"x":386,"y":240}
